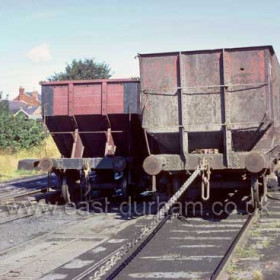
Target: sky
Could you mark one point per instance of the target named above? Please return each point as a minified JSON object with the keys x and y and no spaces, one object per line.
{"x":38,"y":37}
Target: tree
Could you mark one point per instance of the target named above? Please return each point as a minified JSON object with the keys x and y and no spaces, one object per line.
{"x":4,"y":104}
{"x":86,"y":69}
{"x":16,"y":132}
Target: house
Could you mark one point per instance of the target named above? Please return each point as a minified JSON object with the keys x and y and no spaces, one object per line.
{"x":31,"y":98}
{"x":28,"y":104}
{"x":20,"y":107}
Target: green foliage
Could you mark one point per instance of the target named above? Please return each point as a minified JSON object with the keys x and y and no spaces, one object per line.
{"x":86,"y":69}
{"x":16,"y":132}
{"x":4,"y":104}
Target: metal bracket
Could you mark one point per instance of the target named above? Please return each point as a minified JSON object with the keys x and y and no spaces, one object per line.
{"x":78,"y":147}
{"x":110,"y":147}
{"x":184,"y":145}
{"x":226,"y":115}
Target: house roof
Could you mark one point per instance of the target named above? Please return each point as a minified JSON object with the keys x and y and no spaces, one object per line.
{"x":31,"y":109}
{"x":15,"y":106}
{"x":30,"y":94}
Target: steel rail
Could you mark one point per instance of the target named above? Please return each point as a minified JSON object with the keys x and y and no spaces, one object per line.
{"x":10,"y":198}
{"x":220,"y":271}
{"x":15,"y":218}
{"x":137,"y":250}
{"x":23,"y":180}
{"x":132,"y":248}
{"x":12,"y":201}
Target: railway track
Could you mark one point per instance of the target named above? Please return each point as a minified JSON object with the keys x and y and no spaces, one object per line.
{"x":20,"y":189}
{"x":199,"y":247}
{"x":196,"y":246}
{"x":55,"y":241}
{"x":179,"y":250}
{"x":18,"y":198}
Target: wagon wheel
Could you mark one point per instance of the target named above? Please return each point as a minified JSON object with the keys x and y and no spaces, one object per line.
{"x":124,"y":188}
{"x":264,"y":187}
{"x":255,"y":191}
{"x":53,"y":184}
{"x":65,"y":191}
{"x":175,"y":184}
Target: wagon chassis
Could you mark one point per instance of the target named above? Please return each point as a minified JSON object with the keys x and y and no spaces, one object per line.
{"x":62,"y":166}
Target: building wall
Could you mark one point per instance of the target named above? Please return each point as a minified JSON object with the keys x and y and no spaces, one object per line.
{"x":38,"y":112}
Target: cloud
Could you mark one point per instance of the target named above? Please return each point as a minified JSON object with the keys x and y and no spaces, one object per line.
{"x":40,"y":53}
{"x":42,"y":15}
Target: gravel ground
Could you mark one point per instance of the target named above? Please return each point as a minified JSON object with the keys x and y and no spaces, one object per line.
{"x":35,"y":246}
{"x":22,"y":230}
{"x":259,"y":258}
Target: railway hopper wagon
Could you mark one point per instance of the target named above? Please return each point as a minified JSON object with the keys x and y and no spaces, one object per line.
{"x":96,"y":127}
{"x":221,"y":107}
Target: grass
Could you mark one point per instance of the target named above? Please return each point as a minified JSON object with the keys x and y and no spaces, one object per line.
{"x":231,"y":268}
{"x":247,"y":252}
{"x":257,"y":275}
{"x":9,"y":161}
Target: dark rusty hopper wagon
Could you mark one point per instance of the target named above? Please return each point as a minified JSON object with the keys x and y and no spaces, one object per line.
{"x":95,"y":125}
{"x":222,"y":106}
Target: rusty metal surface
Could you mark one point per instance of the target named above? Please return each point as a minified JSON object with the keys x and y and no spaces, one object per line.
{"x":224,"y":99}
{"x":175,"y":163}
{"x":110,"y":147}
{"x":87,"y":109}
{"x":77,"y":148}
{"x":110,"y":163}
{"x":125,"y":129}
{"x":68,"y":98}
